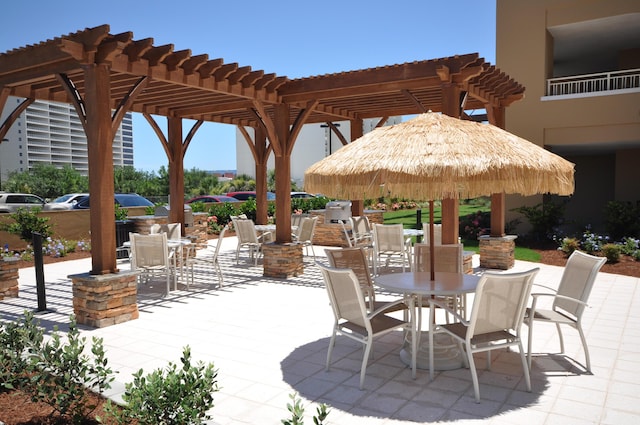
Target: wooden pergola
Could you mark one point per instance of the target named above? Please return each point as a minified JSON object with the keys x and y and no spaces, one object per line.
{"x":106,"y":75}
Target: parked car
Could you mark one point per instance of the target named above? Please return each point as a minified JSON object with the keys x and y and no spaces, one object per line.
{"x":122,"y":199}
{"x":244,"y":195}
{"x":65,"y":202}
{"x":213,"y":198}
{"x":303,"y":195}
{"x":10,"y":202}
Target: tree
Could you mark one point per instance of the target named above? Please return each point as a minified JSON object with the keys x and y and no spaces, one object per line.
{"x":47,"y":181}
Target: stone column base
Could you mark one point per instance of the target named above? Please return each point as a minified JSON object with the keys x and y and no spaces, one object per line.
{"x":497,"y":252}
{"x":282,"y":260}
{"x":8,"y":278}
{"x":105,"y":300}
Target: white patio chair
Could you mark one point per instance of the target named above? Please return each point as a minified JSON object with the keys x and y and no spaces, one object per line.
{"x":352,"y":320}
{"x":448,"y":258}
{"x":437,"y":233}
{"x":150,"y":256}
{"x":361,"y":230}
{"x":569,"y":301}
{"x":248,"y":238}
{"x":390,"y":244}
{"x":305,"y":232}
{"x":355,"y":258}
{"x":208,"y":257}
{"x":496,"y":320}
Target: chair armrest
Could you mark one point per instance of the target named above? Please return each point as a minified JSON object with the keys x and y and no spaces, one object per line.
{"x":545,"y":287}
{"x":386,"y":307}
{"x":562,"y":297}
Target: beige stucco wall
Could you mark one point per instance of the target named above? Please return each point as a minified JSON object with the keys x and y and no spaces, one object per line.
{"x":608,"y":122}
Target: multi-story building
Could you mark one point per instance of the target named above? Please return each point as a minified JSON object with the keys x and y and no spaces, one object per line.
{"x":579,"y":61}
{"x":51,"y":133}
{"x":314,"y":142}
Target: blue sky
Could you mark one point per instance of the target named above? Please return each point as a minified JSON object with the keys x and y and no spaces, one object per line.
{"x":294,"y":38}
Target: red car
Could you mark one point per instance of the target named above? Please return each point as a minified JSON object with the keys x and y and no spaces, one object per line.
{"x":244,"y":195}
{"x":212,"y":199}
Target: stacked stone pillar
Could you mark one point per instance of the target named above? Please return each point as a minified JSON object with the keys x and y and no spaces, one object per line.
{"x":8,"y":277}
{"x":105,"y":300}
{"x":497,"y":252}
{"x":282,"y":260}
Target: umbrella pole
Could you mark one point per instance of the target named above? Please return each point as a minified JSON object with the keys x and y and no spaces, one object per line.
{"x":432,"y":256}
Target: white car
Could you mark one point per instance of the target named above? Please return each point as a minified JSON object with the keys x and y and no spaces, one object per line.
{"x":65,"y":202}
{"x":10,"y":202}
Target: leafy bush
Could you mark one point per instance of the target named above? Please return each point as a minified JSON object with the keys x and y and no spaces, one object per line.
{"x":17,"y":340}
{"x":630,"y":245}
{"x":476,"y":224}
{"x":591,"y":242}
{"x":121,"y":213}
{"x":61,"y":373}
{"x":26,"y":221}
{"x":612,"y":252}
{"x":223,"y":211}
{"x":53,"y":372}
{"x":175,"y":396}
{"x":544,"y":218}
{"x":297,"y":412}
{"x":568,"y":245}
{"x":622,"y":219}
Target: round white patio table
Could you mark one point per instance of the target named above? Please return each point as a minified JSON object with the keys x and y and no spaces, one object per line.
{"x":447,"y":355}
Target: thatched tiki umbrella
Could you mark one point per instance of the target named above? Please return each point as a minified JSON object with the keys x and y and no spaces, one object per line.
{"x":434,"y":156}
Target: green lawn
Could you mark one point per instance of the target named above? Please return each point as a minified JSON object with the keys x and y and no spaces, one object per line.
{"x":408,"y":218}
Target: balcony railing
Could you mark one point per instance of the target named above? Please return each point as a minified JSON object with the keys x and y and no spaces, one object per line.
{"x":591,"y":83}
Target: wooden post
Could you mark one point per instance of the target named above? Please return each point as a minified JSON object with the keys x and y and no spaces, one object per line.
{"x":283,"y":173}
{"x":357,"y":205}
{"x":260,"y":144}
{"x":100,"y":154}
{"x":498,"y":212}
{"x":176,"y":171}
{"x":450,"y":207}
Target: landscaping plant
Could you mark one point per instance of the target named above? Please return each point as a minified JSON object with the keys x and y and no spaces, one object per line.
{"x":174,"y":396}
{"x":26,"y":221}
{"x":53,"y":372}
{"x":297,"y":412}
{"x":60,"y":373}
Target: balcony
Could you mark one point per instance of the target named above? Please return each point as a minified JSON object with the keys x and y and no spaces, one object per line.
{"x":590,"y":84}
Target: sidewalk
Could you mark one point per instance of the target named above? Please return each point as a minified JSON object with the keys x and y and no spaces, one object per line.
{"x":268,"y":339}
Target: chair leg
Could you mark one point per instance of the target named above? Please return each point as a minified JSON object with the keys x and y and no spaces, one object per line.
{"x":525,"y":367}
{"x":365,"y":359}
{"x":474,"y":374}
{"x":584,"y":346}
{"x":218,"y":273}
{"x":530,"y":325}
{"x":332,"y":342}
{"x":431,"y":331}
{"x":560,"y":337}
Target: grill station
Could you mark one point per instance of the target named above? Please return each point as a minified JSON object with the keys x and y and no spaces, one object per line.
{"x":337,"y":211}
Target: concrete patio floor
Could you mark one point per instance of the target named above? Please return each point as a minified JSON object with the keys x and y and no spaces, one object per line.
{"x":268,"y":339}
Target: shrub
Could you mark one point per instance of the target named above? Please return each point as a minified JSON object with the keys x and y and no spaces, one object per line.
{"x":630,"y":245}
{"x":622,"y":219}
{"x":26,"y":221}
{"x":612,"y":252}
{"x":175,"y":396}
{"x":223,"y":211}
{"x":544,"y":218}
{"x":475,"y":224}
{"x":297,"y":412}
{"x":568,"y":245}
{"x":591,"y":242}
{"x":61,"y":374}
{"x":17,"y":340}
